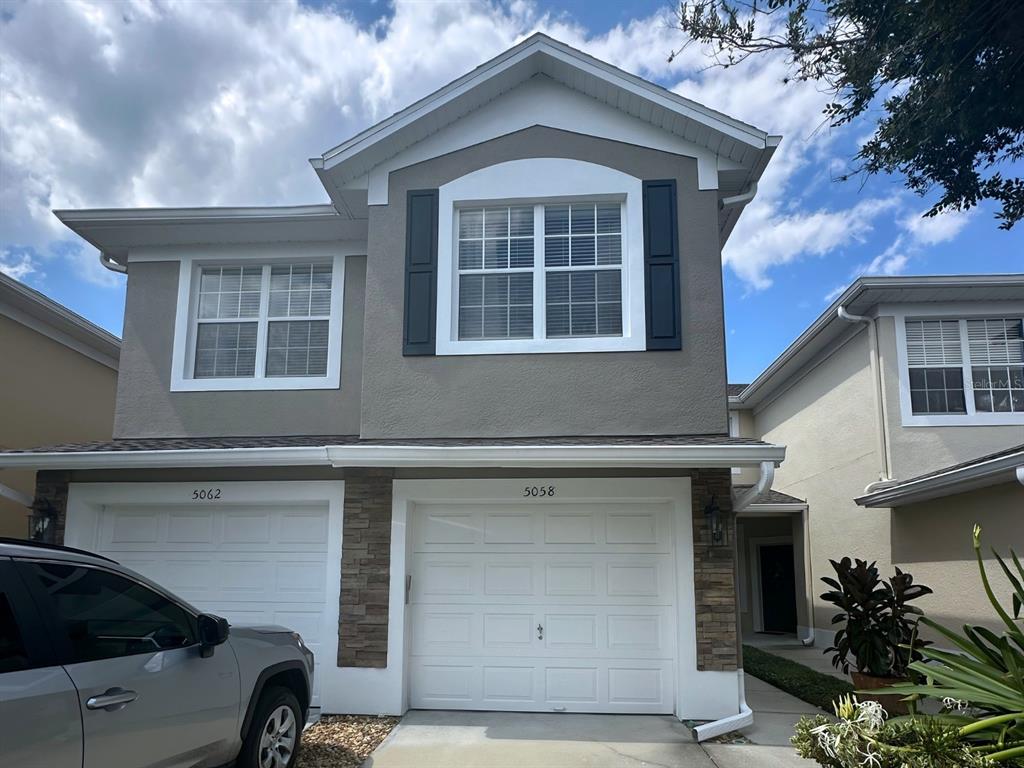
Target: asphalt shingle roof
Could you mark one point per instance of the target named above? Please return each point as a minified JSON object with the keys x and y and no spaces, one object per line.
{"x":773,"y":497}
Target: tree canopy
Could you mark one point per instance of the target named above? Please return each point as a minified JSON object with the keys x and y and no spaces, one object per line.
{"x":947,"y":77}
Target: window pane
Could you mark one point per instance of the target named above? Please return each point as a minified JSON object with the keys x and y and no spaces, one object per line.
{"x":997,"y":388}
{"x":496,"y":222}
{"x":521,"y":252}
{"x":300,"y":290}
{"x":471,"y":223}
{"x":13,"y":656}
{"x":937,"y":390}
{"x":995,"y":341}
{"x":229,"y":292}
{"x":609,"y":249}
{"x":107,"y":616}
{"x":496,"y":306}
{"x":556,"y":220}
{"x":225,"y":350}
{"x":297,"y":347}
{"x":496,"y":254}
{"x":521,"y":221}
{"x":609,"y":217}
{"x":584,"y":303}
{"x":933,"y":343}
{"x":556,"y":251}
{"x":582,"y":220}
{"x":582,"y":252}
{"x":471,"y":254}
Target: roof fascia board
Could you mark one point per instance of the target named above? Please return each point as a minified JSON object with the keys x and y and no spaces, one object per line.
{"x":945,"y":484}
{"x":408,"y":456}
{"x":114,"y":217}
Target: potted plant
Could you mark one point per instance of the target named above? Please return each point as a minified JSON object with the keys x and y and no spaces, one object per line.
{"x":878,"y":639}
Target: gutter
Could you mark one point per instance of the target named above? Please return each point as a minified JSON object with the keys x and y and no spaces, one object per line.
{"x":526,"y":456}
{"x":108,"y":262}
{"x":741,"y":199}
{"x":885,"y":471}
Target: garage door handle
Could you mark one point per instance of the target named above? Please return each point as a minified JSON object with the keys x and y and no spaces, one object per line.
{"x":113,"y":700}
{"x":540,"y":632}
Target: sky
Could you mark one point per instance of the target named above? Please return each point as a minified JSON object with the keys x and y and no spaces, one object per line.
{"x":190,"y":103}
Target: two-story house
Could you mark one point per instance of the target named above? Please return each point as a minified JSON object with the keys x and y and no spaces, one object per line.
{"x":464,"y":427}
{"x":902,"y":407}
{"x":58,"y":381}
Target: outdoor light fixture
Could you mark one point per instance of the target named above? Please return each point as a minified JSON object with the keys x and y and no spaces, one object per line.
{"x":715,"y":522}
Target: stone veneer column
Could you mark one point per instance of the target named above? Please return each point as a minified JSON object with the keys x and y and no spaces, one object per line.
{"x":714,"y":575}
{"x":365,"y":569}
{"x":51,"y":499}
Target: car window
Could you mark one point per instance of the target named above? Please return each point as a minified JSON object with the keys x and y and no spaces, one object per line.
{"x":106,"y":615}
{"x":13,"y":656}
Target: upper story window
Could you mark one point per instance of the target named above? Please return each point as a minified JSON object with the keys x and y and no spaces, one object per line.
{"x":967,"y":370}
{"x":542,"y":255}
{"x":272,"y":325}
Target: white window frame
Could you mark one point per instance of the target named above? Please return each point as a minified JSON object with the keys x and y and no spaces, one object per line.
{"x":185,"y":323}
{"x":962,"y":313}
{"x":537,"y":182}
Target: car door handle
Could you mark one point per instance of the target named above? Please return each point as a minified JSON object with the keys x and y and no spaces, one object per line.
{"x":112,"y":700}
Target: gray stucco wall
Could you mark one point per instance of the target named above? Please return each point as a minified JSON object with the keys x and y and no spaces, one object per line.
{"x":917,"y":450}
{"x":147,"y":408}
{"x":547,"y":394}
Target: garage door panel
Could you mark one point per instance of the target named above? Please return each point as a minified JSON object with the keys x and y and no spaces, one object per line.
{"x":255,"y":564}
{"x":586,"y":526}
{"x":505,"y":578}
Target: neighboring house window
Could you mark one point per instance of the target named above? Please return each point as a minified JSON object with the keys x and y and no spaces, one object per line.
{"x":965,"y":368}
{"x":541,"y":255}
{"x":259,"y":326}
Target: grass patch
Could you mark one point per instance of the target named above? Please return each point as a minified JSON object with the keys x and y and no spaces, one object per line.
{"x":803,"y":682}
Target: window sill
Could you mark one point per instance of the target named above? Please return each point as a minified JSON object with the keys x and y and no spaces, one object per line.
{"x":540,"y":346}
{"x":964,"y":420}
{"x":255,"y":385}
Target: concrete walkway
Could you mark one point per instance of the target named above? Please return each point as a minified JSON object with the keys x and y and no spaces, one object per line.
{"x":789,"y":647}
{"x":429,"y":739}
{"x":775,"y":713}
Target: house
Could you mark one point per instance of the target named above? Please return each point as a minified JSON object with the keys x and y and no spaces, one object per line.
{"x":902,"y":407}
{"x":464,"y":427}
{"x":57,"y":384}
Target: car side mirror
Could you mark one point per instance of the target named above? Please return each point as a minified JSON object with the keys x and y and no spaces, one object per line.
{"x":213,"y":631}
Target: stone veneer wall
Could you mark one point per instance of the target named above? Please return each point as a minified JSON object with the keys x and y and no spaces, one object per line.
{"x":365,"y":569}
{"x":714,"y":575}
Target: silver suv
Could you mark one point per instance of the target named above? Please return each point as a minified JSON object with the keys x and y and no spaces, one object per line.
{"x":102,"y":668}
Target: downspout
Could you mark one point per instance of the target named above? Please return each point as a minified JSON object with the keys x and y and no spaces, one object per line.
{"x":885,"y":473}
{"x":745,"y":717}
{"x":805,"y":518}
{"x":741,"y":199}
{"x":112,"y":265}
{"x":6,"y":492}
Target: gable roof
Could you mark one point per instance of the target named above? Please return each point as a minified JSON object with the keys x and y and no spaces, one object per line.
{"x":32,"y":309}
{"x":863,"y":295}
{"x":742,"y":150}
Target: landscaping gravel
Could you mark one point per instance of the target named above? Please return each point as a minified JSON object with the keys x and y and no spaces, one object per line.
{"x":343,"y":741}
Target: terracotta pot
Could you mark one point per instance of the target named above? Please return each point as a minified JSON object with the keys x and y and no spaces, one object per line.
{"x":891,"y":702}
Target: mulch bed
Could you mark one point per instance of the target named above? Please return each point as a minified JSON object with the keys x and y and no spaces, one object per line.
{"x":343,"y":741}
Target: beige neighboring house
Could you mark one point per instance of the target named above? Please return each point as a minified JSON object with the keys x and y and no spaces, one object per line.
{"x":902,"y":407}
{"x":58,"y":383}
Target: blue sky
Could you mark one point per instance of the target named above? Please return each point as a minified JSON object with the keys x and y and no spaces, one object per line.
{"x":178,"y":102}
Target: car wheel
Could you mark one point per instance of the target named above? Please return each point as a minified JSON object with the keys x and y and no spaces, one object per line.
{"x":274,"y":733}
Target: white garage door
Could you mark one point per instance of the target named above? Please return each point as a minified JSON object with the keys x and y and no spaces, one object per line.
{"x":561,"y":606}
{"x":252,"y":564}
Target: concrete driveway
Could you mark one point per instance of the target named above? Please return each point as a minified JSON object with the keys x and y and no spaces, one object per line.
{"x":427,"y":739}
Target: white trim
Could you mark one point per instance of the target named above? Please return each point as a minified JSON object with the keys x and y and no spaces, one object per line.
{"x":87,"y":500}
{"x":755,"y":544}
{"x":734,"y":431}
{"x":362,"y":455}
{"x":182,"y":358}
{"x":960,"y":311}
{"x":538,"y":181}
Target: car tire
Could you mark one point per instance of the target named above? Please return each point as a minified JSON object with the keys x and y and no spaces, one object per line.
{"x":275,"y":732}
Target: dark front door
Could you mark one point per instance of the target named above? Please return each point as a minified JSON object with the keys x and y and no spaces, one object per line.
{"x":778,"y":588}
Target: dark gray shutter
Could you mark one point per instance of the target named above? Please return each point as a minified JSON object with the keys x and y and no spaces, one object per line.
{"x":418,"y":336}
{"x":661,"y":265}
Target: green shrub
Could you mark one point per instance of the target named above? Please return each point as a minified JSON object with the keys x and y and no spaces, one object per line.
{"x":793,"y":678}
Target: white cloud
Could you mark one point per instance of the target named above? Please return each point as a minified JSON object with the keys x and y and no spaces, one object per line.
{"x":17,"y":265}
{"x":149,"y":103}
{"x":941,"y":228}
{"x":892,"y":261}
